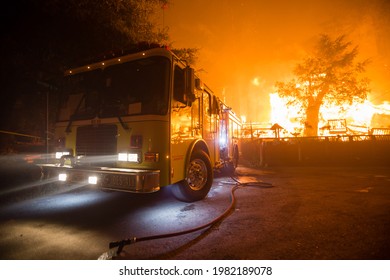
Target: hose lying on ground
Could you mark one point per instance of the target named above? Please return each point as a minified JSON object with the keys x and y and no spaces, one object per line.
{"x":237,"y":184}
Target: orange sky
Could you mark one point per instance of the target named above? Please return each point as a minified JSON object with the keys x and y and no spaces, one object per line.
{"x":254,"y":40}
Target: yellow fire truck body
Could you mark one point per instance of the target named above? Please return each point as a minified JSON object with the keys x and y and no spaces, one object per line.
{"x":139,"y":122}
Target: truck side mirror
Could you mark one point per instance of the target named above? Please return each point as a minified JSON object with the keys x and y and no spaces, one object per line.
{"x":216,"y":106}
{"x":190,"y":84}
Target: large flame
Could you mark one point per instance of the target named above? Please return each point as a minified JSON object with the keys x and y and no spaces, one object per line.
{"x":356,"y":118}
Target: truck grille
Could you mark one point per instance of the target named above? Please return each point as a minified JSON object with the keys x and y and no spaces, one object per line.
{"x":96,"y":140}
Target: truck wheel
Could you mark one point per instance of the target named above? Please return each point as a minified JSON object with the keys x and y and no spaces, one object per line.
{"x":198,"y":181}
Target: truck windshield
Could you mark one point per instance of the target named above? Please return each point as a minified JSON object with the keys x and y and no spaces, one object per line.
{"x":132,"y":88}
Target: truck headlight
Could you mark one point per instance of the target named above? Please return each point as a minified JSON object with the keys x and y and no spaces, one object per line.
{"x":61,"y":154}
{"x":92,"y":180}
{"x":129,"y":157}
{"x":132,"y":157}
{"x":62,"y":177}
{"x":122,"y":157}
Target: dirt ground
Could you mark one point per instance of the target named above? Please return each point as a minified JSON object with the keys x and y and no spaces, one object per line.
{"x":308,"y":213}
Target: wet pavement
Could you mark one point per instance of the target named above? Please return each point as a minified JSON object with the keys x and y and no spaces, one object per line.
{"x":331,"y":212}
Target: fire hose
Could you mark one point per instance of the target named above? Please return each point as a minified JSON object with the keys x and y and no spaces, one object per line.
{"x":122,"y":243}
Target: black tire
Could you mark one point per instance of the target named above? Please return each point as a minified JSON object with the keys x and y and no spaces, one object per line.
{"x":198,"y":181}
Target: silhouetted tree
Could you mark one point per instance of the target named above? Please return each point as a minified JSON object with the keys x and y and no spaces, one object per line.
{"x":190,"y":55}
{"x":42,"y":38}
{"x":329,"y":74}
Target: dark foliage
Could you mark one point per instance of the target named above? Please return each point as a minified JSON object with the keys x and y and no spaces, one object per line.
{"x":42,"y":38}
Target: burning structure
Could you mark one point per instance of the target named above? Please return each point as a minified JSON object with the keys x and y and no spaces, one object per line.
{"x":349,"y":134}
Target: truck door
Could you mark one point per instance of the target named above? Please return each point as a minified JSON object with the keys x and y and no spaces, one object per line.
{"x":208,"y":132}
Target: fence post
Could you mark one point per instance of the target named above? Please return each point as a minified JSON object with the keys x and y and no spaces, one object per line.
{"x":261,"y":152}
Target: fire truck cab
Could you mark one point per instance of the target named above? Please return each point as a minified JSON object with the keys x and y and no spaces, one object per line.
{"x":141,"y":121}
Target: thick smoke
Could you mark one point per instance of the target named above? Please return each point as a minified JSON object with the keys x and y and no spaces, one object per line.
{"x":245,"y":41}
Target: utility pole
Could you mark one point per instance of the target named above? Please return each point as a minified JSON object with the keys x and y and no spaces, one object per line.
{"x":47,"y":126}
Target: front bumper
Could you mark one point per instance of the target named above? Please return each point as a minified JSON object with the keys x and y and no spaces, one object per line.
{"x":119,"y":179}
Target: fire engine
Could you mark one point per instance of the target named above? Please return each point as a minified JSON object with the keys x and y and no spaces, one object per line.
{"x":141,"y":121}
